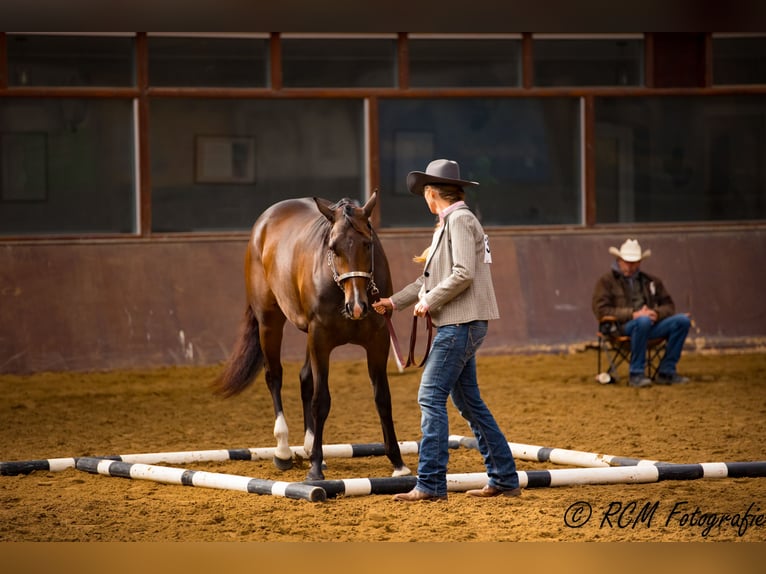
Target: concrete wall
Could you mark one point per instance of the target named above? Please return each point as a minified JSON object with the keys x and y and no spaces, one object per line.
{"x":138,"y":303}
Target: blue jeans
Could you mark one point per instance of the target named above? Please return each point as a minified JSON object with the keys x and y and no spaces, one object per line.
{"x":450,"y":371}
{"x":673,"y":328}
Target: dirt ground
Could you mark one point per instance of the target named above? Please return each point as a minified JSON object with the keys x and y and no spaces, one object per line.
{"x":545,"y":400}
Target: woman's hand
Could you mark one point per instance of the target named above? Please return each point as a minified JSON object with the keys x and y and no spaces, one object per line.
{"x":383,"y":305}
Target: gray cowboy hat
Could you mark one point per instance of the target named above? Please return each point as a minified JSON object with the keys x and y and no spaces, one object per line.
{"x":438,"y":171}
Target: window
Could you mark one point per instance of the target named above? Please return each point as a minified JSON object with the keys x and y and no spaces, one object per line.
{"x":220,"y":154}
{"x":680,"y":158}
{"x":464,"y":62}
{"x":217,"y":164}
{"x":577,"y":61}
{"x":524,"y":152}
{"x":338,"y":62}
{"x":66,"y":166}
{"x":739,"y":59}
{"x":203,"y":61}
{"x":51,"y":60}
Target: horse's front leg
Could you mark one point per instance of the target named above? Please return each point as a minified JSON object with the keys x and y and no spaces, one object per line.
{"x":377,"y":357}
{"x":307,"y":392}
{"x":320,"y":403}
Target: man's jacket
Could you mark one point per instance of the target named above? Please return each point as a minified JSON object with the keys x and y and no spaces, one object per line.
{"x":612,"y":296}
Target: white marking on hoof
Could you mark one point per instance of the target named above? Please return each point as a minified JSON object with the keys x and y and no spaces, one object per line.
{"x":308,"y":443}
{"x":404,"y":471}
{"x":283,"y":450}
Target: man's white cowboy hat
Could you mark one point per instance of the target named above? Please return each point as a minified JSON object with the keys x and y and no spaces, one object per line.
{"x":630,"y":251}
{"x":438,"y":171}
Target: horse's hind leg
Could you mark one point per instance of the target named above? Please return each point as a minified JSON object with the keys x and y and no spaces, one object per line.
{"x":376,"y":367}
{"x":271,"y":327}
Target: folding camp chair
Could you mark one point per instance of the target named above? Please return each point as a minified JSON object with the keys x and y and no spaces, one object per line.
{"x":616,"y":348}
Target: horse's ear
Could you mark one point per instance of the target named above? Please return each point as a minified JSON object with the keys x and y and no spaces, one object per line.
{"x":325,"y":207}
{"x":370,"y":205}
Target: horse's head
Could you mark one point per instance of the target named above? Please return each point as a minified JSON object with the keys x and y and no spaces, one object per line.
{"x":350,"y":251}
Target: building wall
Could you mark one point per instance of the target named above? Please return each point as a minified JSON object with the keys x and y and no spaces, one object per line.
{"x":134,"y":304}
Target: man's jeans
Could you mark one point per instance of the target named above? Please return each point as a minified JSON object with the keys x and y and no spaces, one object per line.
{"x":673,"y":328}
{"x":450,"y":371}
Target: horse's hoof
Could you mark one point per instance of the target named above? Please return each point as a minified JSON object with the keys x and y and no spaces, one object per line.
{"x":283,"y":463}
{"x":403,"y":471}
{"x":315,"y":475}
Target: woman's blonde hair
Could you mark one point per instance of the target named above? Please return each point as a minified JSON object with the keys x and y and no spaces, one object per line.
{"x":423,"y":256}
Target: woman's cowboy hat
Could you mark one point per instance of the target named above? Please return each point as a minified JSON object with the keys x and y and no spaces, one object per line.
{"x":630,"y":251}
{"x":438,"y":171}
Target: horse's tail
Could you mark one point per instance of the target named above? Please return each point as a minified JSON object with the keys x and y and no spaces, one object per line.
{"x":245,"y":362}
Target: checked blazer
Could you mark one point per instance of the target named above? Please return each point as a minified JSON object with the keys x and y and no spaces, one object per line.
{"x":456,"y":282}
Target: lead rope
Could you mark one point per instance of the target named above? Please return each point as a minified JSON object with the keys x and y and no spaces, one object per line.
{"x":394,"y":343}
{"x":413,"y":337}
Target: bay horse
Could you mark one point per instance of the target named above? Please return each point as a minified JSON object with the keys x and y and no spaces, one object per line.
{"x":320,"y":266}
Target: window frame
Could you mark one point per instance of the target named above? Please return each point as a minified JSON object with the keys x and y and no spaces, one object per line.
{"x":142,"y":94}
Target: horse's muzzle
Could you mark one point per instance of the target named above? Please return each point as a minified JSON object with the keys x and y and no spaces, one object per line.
{"x":356,"y":310}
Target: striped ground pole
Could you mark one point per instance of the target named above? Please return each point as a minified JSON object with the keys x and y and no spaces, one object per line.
{"x":643,"y":473}
{"x":186,"y":477}
{"x":560,"y":455}
{"x":186,"y":457}
{"x":637,"y":474}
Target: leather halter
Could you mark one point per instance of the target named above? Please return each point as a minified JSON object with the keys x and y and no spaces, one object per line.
{"x":340,"y":278}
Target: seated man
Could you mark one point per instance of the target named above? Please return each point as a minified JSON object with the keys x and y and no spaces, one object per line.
{"x":644,"y":310}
